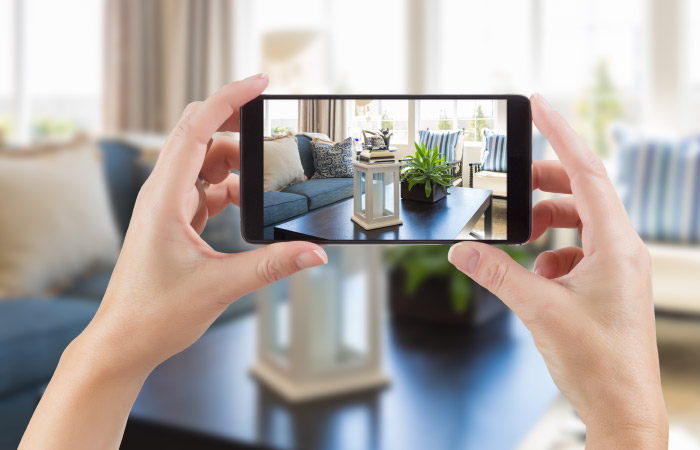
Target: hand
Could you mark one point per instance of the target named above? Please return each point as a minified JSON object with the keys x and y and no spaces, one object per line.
{"x":168,"y":285}
{"x":589,"y":309}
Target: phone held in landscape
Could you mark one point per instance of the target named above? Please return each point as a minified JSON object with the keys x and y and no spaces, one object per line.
{"x":386,"y":169}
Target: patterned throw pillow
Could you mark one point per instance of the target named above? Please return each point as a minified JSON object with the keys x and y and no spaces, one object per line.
{"x":494,"y":157}
{"x":659,"y":183}
{"x":332,"y":160}
{"x":446,"y":142}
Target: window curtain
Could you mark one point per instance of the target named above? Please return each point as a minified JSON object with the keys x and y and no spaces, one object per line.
{"x":161,"y":55}
{"x":323,"y":116}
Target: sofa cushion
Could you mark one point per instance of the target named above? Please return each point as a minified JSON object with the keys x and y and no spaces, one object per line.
{"x":281,"y":162}
{"x":333,"y":160}
{"x":659,"y":184}
{"x":495,"y":155}
{"x":446,"y":142}
{"x":279,"y":206}
{"x":91,"y":287}
{"x":323,"y":191}
{"x":57,"y":222}
{"x":305,"y":153}
{"x":33,"y":334}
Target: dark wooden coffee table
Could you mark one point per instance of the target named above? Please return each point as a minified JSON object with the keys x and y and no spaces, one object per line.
{"x":442,"y":220}
{"x":451,"y":388}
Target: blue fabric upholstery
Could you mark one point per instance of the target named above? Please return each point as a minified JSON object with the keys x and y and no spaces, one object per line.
{"x":279,"y":206}
{"x":494,"y":158}
{"x":333,"y":160}
{"x":16,"y":410}
{"x":33,"y":334}
{"x":118,"y":162}
{"x":305,"y":154}
{"x":92,"y":287}
{"x":324,"y":191}
{"x":659,"y":182}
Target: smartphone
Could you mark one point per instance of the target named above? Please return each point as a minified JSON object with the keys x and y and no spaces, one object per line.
{"x":386,"y":169}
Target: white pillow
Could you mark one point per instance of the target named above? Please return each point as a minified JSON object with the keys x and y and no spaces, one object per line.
{"x":281,"y":162}
{"x":56,"y":223}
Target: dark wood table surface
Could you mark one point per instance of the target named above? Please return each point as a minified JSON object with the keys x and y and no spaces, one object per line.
{"x":478,"y":388}
{"x":442,"y":220}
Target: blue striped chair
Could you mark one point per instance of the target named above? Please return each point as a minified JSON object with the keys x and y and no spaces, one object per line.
{"x":491,"y":172}
{"x":450,"y":145}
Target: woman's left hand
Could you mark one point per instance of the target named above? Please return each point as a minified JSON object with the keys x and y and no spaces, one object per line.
{"x":168,"y":285}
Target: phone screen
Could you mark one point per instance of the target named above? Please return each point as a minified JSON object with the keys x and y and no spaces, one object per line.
{"x":386,"y":169}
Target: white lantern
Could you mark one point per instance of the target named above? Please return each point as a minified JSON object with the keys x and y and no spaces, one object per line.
{"x":376,"y":195}
{"x":319,"y":330}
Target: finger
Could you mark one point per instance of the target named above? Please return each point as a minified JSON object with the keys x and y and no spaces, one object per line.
{"x":557,"y":263}
{"x":220,"y":195}
{"x":601,"y":211}
{"x":223,"y":155}
{"x":184,"y":155}
{"x":520,"y":289}
{"x":550,"y":176}
{"x":258,"y":268}
{"x":554,"y":213}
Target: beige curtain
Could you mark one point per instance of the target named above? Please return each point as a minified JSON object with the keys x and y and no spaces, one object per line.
{"x":323,"y":116}
{"x":159,"y":56}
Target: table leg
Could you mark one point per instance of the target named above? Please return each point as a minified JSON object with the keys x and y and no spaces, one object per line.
{"x":488,"y":220}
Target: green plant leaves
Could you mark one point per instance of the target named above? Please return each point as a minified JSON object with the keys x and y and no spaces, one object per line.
{"x":427,"y":167}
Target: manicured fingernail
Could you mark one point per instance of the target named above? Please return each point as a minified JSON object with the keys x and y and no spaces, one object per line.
{"x":311,"y":258}
{"x":464,"y":257}
{"x":538,"y":97}
{"x":257,"y":77}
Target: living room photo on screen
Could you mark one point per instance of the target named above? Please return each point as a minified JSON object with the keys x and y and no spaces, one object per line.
{"x":385,"y":169}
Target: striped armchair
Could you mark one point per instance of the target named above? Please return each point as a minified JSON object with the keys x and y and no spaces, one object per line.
{"x":450,"y":145}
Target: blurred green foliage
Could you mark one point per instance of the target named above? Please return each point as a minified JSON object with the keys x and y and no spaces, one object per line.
{"x":601,"y":106}
{"x":423,"y":262}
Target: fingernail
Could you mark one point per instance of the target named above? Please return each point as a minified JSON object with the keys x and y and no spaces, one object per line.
{"x":311,"y":258}
{"x":538,"y":271}
{"x":538,"y":98}
{"x":464,"y":257}
{"x":257,"y":77}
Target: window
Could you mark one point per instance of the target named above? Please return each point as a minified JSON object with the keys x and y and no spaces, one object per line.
{"x":282,"y":116}
{"x":471,"y":116}
{"x":377,"y":114}
{"x":54,"y":87}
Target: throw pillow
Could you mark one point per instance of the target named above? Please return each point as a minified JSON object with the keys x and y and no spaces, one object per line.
{"x":56,"y":223}
{"x":446,"y":142}
{"x":332,"y":160}
{"x":494,"y":157}
{"x":659,"y":183}
{"x":305,"y":153}
{"x":281,"y":163}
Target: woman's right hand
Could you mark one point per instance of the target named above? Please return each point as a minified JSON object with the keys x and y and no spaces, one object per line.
{"x":589,"y":309}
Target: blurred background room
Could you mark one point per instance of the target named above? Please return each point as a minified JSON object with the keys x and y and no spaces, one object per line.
{"x":384,"y":347}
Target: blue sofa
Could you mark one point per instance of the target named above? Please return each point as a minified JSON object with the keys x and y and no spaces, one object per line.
{"x":300,"y":198}
{"x":35,"y":331}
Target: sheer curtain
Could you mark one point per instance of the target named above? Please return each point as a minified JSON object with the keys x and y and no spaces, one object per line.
{"x":159,"y":56}
{"x":323,"y":116}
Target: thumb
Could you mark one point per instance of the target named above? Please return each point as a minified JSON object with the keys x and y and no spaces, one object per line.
{"x":245,"y":272}
{"x":493,"y":269}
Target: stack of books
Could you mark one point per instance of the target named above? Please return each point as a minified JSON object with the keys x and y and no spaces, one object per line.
{"x":377,"y":156}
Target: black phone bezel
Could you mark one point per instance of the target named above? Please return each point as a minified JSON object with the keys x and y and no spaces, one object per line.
{"x":519,"y":185}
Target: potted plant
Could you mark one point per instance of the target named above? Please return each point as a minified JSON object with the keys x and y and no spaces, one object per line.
{"x":427,"y":169}
{"x":386,"y":136}
{"x":425,"y":287}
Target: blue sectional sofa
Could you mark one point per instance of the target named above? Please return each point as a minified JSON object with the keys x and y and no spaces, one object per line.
{"x":35,"y":331}
{"x":300,"y":198}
